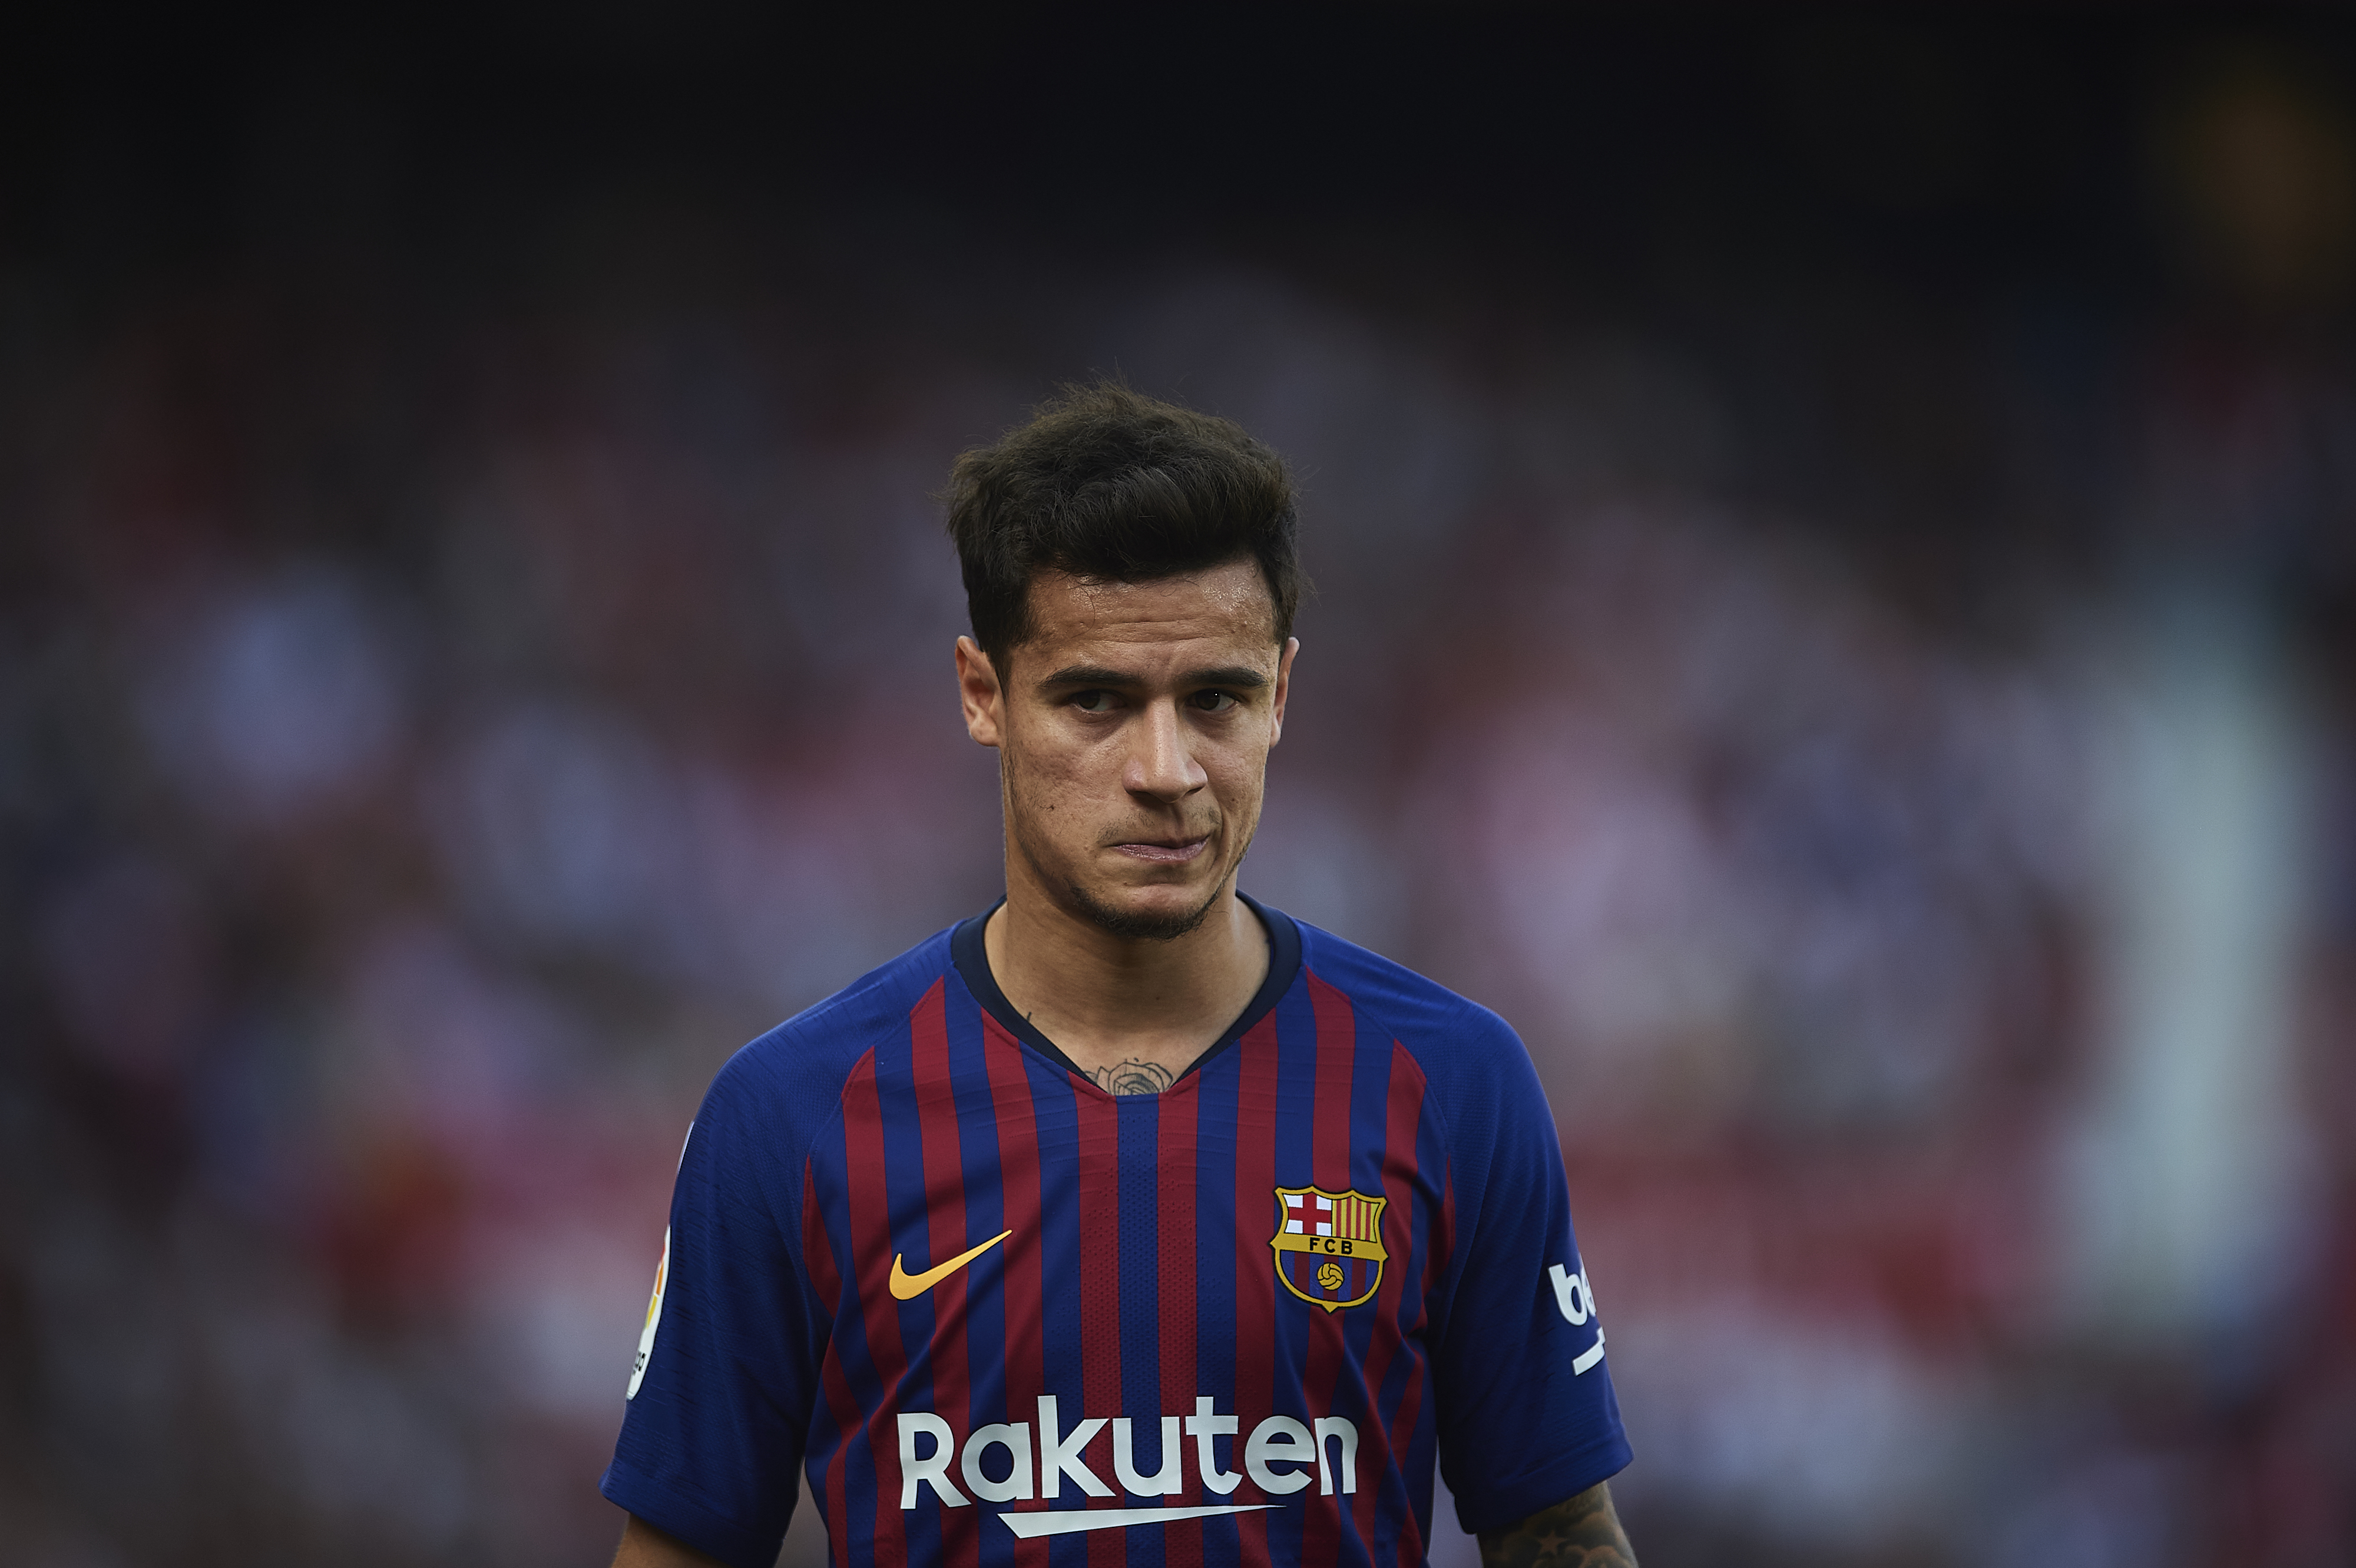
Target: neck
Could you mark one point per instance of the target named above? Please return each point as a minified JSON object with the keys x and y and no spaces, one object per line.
{"x":1107,"y":1000}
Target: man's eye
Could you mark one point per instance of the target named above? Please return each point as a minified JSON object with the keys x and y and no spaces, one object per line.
{"x":1213,"y":702}
{"x":1094,"y":702}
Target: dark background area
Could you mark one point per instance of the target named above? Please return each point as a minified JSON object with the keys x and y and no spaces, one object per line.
{"x":1859,"y":180}
{"x":1835,"y":536}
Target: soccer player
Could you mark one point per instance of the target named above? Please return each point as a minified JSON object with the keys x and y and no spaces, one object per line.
{"x":1131,"y":1222}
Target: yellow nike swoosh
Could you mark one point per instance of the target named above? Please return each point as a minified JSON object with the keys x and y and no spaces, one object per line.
{"x":908,"y":1287}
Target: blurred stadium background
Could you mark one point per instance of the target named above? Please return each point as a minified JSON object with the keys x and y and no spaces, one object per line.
{"x":1836,"y":532}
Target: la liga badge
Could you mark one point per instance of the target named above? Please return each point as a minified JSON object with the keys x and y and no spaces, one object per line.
{"x":1329,"y":1245}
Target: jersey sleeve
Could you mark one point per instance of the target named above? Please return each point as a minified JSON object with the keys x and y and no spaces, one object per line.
{"x":1526,"y":1415}
{"x":720,"y":1399}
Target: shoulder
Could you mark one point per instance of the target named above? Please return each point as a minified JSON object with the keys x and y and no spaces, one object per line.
{"x":1456,"y":1042}
{"x":1481,"y":1095}
{"x":790,"y":1079}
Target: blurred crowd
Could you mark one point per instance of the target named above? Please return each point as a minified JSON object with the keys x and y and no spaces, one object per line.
{"x":434,"y":735}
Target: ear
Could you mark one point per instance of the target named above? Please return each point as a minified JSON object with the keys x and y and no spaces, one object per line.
{"x":980,"y":693}
{"x":1283,"y":688}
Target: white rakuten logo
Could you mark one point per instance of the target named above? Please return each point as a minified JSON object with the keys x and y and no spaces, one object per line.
{"x":1277,"y":1456}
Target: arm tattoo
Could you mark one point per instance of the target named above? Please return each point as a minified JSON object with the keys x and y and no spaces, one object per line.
{"x":1582,"y":1532}
{"x":1135,"y":1076}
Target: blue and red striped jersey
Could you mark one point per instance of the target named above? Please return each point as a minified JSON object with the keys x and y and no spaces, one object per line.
{"x":1003,"y":1317}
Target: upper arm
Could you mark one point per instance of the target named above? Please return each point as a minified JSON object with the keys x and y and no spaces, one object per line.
{"x":1527,"y":1415}
{"x":1577,"y":1532}
{"x":714,"y":1426}
{"x":644,"y":1546}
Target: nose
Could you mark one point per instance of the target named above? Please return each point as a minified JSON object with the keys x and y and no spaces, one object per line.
{"x":1159,"y":764}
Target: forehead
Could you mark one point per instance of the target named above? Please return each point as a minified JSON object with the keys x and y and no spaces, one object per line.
{"x":1229,"y":606}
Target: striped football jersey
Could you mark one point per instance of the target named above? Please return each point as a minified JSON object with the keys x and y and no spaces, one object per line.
{"x":997,"y":1316}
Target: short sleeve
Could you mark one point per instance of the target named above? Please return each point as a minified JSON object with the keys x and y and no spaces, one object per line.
{"x":720,"y":1401}
{"x":1526,"y":1413}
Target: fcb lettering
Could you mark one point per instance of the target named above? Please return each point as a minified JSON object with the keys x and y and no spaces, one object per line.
{"x":977,"y":1300}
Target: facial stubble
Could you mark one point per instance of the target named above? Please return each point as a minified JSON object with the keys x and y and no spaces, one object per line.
{"x":1078,"y":901}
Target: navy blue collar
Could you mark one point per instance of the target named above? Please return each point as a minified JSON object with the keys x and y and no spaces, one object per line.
{"x":972,"y":960}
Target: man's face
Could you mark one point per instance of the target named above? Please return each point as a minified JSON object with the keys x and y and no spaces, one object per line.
{"x":1132,"y":731}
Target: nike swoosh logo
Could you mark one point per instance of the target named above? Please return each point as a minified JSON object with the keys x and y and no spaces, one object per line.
{"x":1065,"y":1521}
{"x":908,"y":1287}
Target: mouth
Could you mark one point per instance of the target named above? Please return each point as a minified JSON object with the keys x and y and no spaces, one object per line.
{"x":1165,"y":851}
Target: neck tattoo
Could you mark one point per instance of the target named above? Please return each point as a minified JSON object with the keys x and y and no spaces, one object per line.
{"x":1135,"y":1076}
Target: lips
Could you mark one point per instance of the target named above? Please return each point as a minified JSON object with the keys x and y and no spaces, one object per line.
{"x":1164,"y":852}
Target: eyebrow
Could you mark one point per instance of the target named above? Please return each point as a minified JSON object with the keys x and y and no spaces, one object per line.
{"x":1242,"y":675}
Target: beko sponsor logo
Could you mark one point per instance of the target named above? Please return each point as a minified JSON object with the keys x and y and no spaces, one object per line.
{"x":1281,"y":1455}
{"x":1575,"y":1298}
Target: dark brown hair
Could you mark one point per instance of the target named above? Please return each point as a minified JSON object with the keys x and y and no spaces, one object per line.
{"x":1107,"y":483}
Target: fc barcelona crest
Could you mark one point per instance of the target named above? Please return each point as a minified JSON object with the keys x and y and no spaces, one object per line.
{"x":1329,"y":1245}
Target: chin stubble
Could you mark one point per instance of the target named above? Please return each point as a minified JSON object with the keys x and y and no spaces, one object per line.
{"x":1114,"y":922}
{"x":1142,"y":927}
